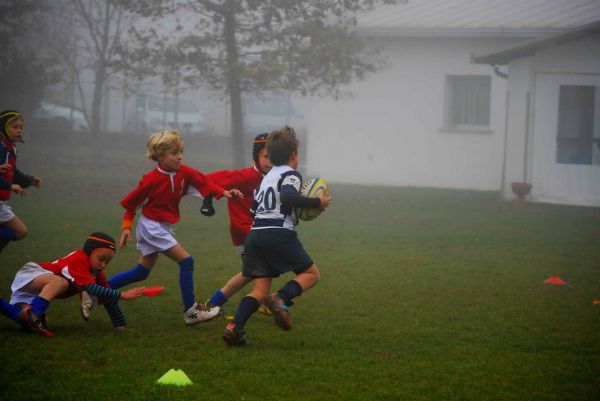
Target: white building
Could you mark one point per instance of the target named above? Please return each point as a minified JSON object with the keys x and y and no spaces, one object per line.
{"x":432,"y":117}
{"x":553,"y":131}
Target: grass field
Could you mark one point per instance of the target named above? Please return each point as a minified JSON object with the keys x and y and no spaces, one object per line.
{"x":425,"y":295}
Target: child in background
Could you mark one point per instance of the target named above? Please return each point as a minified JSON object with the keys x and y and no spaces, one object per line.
{"x":240,"y":219}
{"x":272,"y":246}
{"x":158,"y":194}
{"x":36,"y":285}
{"x":11,"y":178}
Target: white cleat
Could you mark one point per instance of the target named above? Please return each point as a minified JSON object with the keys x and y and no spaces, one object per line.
{"x":199,"y":313}
{"x":87,"y":303}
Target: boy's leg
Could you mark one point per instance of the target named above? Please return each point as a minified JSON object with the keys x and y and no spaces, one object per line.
{"x":194,"y":312}
{"x":301,"y":283}
{"x":140,"y":272}
{"x":48,"y":287}
{"x":12,"y":312}
{"x":14,"y":230}
{"x":280,"y":301}
{"x":234,"y":332}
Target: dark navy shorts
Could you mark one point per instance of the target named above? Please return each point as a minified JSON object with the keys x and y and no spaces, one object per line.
{"x":271,"y":252}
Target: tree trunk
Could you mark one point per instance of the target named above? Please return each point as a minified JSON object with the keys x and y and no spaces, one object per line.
{"x":233,"y":87}
{"x":99,"y":83}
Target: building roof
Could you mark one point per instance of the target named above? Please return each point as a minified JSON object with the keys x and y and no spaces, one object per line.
{"x":475,"y":18}
{"x":530,"y":47}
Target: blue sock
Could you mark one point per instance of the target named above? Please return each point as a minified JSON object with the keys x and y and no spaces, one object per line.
{"x":39,"y":305}
{"x":219,"y":298}
{"x":12,"y":312}
{"x":9,"y":310}
{"x":248,"y":305}
{"x":290,"y":290}
{"x":186,"y":282}
{"x":7,"y":234}
{"x":138,"y":273}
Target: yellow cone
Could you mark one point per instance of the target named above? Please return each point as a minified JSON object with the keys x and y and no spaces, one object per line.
{"x":175,"y":377}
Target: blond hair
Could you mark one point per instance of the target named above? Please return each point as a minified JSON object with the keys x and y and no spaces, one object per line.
{"x":161,"y":141}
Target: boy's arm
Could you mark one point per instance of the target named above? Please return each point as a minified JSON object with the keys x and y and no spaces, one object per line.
{"x":21,"y":179}
{"x":205,"y":186}
{"x":4,"y":183}
{"x":131,"y":202}
{"x":294,"y":199}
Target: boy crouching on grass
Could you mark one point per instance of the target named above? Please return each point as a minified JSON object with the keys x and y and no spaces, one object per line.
{"x":272,"y":247}
{"x":36,"y":285}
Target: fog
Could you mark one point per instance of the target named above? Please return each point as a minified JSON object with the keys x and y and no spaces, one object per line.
{"x":389,"y":95}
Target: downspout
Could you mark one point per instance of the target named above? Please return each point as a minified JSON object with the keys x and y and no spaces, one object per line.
{"x":504,"y":75}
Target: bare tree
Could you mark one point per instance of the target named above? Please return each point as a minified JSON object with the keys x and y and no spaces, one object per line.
{"x":237,"y":46}
{"x":92,"y":52}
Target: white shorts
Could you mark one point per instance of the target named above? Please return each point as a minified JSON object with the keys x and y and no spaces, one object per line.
{"x":24,"y":276}
{"x":6,"y":213}
{"x":153,"y":236}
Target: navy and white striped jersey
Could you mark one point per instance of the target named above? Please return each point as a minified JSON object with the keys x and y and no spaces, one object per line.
{"x":268,"y":209}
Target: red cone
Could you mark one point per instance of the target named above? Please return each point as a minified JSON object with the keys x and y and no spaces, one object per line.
{"x":554,"y":280}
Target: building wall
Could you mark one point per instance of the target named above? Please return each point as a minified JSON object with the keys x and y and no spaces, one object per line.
{"x":577,"y":57}
{"x":391,"y":131}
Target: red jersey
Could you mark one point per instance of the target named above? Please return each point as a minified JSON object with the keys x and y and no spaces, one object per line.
{"x":246,"y":180}
{"x":10,"y":152}
{"x":159,"y":193}
{"x":76,"y":268}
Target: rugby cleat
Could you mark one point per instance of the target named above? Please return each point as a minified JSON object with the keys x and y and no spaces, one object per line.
{"x":280,"y":312}
{"x":222,"y":312}
{"x":199,"y":313}
{"x":87,"y":303}
{"x":264,"y":310}
{"x":234,"y":336}
{"x":34,"y":322}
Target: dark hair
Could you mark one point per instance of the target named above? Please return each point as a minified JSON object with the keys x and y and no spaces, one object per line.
{"x":281,"y":145}
{"x":259,"y":143}
{"x":98,"y":240}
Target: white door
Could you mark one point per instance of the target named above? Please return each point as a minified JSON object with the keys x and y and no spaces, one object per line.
{"x":566,"y":140}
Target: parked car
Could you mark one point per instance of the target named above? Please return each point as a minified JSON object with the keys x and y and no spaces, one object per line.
{"x":60,"y":116}
{"x":269,"y":112}
{"x":158,"y":111}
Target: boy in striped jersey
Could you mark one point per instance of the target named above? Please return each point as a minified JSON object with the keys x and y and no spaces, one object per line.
{"x":36,"y":285}
{"x":272,"y":247}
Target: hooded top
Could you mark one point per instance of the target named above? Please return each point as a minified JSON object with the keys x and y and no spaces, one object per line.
{"x":8,"y":154}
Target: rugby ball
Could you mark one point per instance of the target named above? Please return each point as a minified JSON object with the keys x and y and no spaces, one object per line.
{"x":312,"y":189}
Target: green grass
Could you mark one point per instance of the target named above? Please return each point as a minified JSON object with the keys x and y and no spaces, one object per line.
{"x":425,"y":294}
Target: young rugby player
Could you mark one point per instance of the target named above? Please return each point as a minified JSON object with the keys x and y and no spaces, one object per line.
{"x":158,"y":194}
{"x":36,"y":285}
{"x":247,"y":180}
{"x":11,"y":178}
{"x":272,"y":246}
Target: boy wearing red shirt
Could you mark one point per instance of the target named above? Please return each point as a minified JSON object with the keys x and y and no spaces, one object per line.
{"x":36,"y":285}
{"x":240,"y":218}
{"x":158,"y":194}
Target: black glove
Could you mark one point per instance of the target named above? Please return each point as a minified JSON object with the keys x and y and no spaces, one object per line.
{"x":207,"y":208}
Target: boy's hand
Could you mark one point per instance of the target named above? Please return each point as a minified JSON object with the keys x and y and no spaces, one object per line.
{"x":18,"y":189}
{"x":325,"y":200}
{"x":125,"y":236}
{"x":207,"y":208}
{"x":233,"y":192}
{"x":5,"y":167}
{"x":36,"y":181}
{"x":132,"y":293}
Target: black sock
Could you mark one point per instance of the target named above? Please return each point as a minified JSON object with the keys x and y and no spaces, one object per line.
{"x":290,"y":290}
{"x":248,"y":305}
